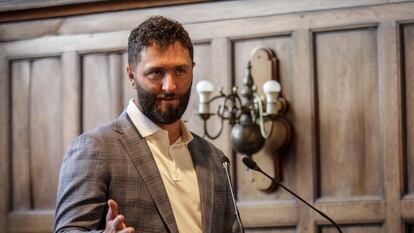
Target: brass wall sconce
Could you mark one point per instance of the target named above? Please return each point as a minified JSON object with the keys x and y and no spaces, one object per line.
{"x":248,"y":112}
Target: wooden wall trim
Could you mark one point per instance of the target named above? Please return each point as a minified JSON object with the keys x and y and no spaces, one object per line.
{"x":40,"y":221}
{"x":391,"y":121}
{"x":16,"y":11}
{"x":200,"y":32}
{"x":195,"y":14}
{"x":4,"y":141}
{"x":279,"y":214}
{"x":353,"y":212}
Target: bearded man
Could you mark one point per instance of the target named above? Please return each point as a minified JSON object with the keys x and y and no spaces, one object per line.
{"x":145,"y":171}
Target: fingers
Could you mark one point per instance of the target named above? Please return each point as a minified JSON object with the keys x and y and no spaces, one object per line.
{"x":115,"y":221}
{"x":112,"y":210}
{"x":118,"y":223}
{"x":128,"y":230}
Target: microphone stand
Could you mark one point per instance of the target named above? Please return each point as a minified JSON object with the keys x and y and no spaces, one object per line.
{"x":225,"y":162}
{"x":253,"y":165}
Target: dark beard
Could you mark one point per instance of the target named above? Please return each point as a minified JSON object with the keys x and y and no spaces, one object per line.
{"x":149,"y":107}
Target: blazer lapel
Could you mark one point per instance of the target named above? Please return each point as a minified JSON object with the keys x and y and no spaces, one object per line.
{"x":205,"y":182}
{"x":143,"y":160}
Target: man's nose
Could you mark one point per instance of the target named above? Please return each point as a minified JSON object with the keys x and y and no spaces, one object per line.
{"x":168,"y":84}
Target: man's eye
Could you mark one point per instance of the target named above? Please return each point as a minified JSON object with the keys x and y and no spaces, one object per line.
{"x":155,"y":74}
{"x":180,"y":71}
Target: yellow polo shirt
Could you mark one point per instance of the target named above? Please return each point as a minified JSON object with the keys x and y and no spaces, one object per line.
{"x":176,"y":168}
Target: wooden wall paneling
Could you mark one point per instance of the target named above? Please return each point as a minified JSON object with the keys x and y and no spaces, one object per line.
{"x":38,"y":221}
{"x":20,"y":111}
{"x":202,"y":70}
{"x":5,"y":141}
{"x":269,"y":215}
{"x":272,"y":230}
{"x":202,"y":30}
{"x":100,"y":100}
{"x":127,"y":91}
{"x":115,"y":82}
{"x":265,"y":24}
{"x":348,"y":113}
{"x":391,"y":122}
{"x":211,"y":63}
{"x":282,"y":46}
{"x":407,"y":52}
{"x":371,"y":228}
{"x":302,"y":107}
{"x":220,"y":75}
{"x":407,"y":206}
{"x":82,"y":43}
{"x":71,"y":98}
{"x":225,"y":10}
{"x":45,"y":130}
{"x":359,"y":211}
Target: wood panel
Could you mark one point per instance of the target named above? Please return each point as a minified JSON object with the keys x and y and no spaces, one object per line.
{"x":282,"y":46}
{"x":353,"y":229}
{"x":71,"y":97}
{"x":102,"y":89}
{"x":223,"y":10}
{"x":272,"y":230}
{"x":350,"y":162}
{"x":202,"y":59}
{"x":37,"y":121}
{"x":45,"y":130}
{"x":5,"y":139}
{"x":20,"y":164}
{"x":127,"y":91}
{"x":408,"y":79}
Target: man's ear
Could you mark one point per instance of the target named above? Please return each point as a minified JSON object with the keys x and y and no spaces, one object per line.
{"x":131,"y":75}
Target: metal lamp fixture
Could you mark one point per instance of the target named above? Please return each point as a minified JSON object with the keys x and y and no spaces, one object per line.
{"x":246,"y":112}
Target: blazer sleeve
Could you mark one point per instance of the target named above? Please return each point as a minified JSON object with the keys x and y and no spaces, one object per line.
{"x":82,"y":191}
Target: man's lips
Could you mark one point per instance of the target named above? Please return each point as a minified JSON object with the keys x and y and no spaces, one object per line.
{"x":168,"y":100}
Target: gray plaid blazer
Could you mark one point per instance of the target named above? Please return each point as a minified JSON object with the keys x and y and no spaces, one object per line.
{"x":115,"y":162}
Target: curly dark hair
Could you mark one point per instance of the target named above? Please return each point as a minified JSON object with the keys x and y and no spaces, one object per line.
{"x":160,"y":31}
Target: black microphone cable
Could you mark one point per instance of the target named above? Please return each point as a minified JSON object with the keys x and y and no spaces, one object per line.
{"x":225,"y":162}
{"x":253,"y":165}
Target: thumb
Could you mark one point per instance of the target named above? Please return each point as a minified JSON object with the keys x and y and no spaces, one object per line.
{"x":112,"y":210}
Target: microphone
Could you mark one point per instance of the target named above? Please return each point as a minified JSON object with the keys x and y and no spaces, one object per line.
{"x":225,"y":162}
{"x":253,"y":165}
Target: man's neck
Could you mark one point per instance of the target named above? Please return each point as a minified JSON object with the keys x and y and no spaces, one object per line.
{"x":174,"y":130}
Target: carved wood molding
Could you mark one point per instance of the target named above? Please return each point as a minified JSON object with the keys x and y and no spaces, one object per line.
{"x":14,"y":10}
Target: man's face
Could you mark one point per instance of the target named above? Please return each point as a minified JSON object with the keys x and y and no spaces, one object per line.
{"x":163,"y":79}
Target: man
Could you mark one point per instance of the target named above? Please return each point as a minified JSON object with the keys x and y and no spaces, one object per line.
{"x":145,"y":172}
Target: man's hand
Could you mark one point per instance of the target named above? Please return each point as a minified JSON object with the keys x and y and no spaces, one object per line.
{"x":115,"y":223}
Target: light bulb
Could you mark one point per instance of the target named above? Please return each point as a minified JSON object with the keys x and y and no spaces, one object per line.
{"x":271,"y":89}
{"x":204,"y":89}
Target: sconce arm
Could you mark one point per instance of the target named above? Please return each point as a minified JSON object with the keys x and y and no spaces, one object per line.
{"x":206,"y":133}
{"x":259,"y":104}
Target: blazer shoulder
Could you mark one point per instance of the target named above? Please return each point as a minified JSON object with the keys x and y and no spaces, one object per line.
{"x":206,"y":146}
{"x":111,"y":129}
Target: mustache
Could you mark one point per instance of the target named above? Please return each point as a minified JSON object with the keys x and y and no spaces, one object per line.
{"x":167,"y":95}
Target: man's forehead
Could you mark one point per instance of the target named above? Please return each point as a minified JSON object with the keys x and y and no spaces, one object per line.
{"x":158,"y":49}
{"x":162,"y":47}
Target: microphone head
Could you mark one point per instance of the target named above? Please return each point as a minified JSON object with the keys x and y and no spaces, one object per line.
{"x":224,"y":159}
{"x":250,"y":163}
